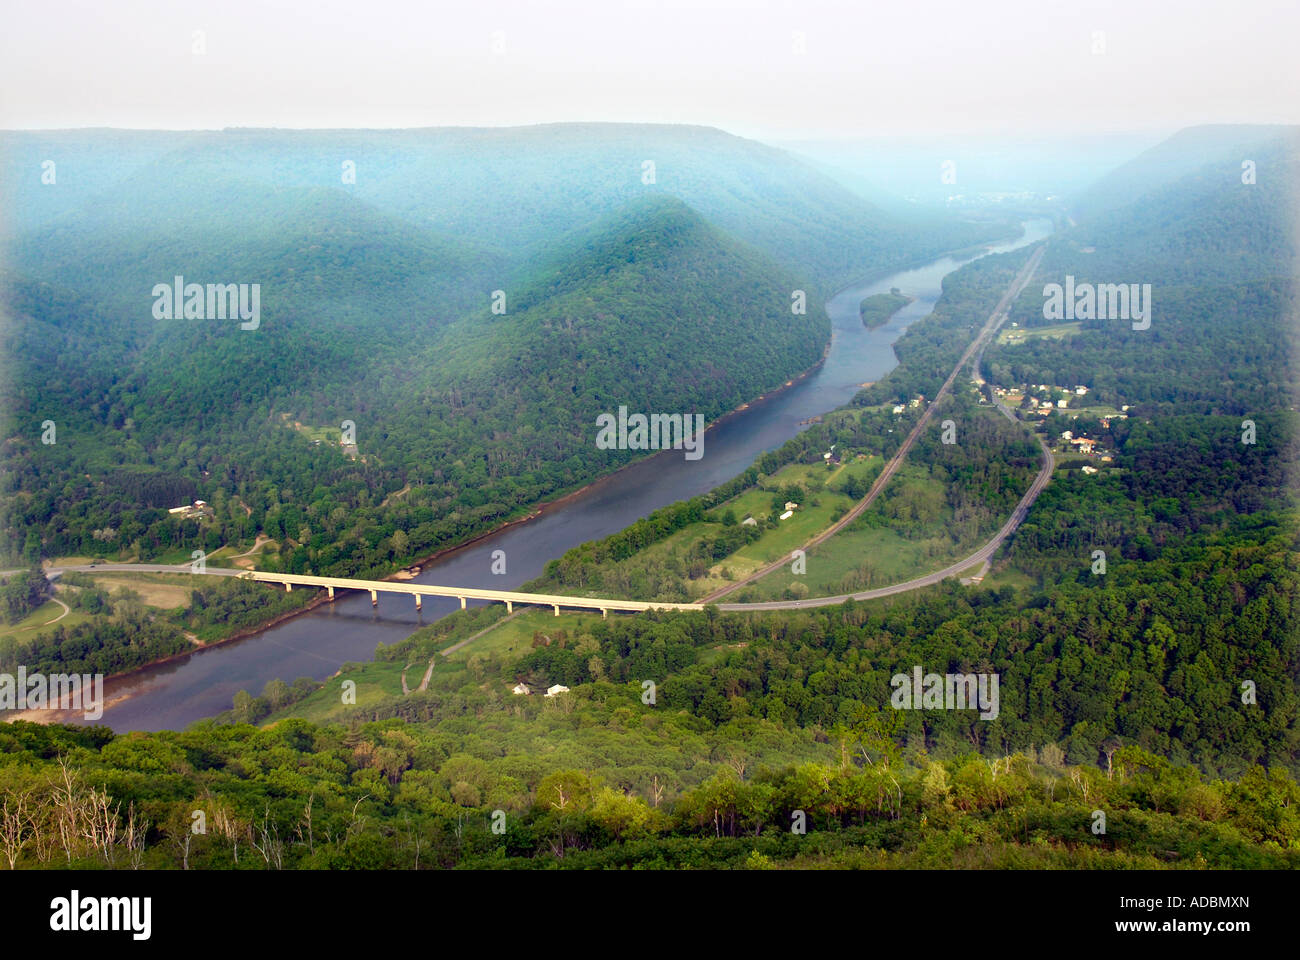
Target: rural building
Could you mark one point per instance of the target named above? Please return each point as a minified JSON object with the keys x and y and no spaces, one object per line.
{"x":521,"y":690}
{"x":556,"y":690}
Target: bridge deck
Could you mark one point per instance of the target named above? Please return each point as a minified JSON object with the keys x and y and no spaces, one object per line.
{"x":418,"y":590}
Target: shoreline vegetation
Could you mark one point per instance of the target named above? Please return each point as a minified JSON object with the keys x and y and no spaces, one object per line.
{"x":533,"y":513}
{"x":879,"y":308}
{"x":536,"y":511}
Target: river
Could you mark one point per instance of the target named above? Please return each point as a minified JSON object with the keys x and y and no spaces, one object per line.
{"x":317,"y":643}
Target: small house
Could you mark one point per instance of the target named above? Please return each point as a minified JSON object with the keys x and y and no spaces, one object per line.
{"x":791,"y":505}
{"x":556,"y":690}
{"x":787,"y":515}
{"x":521,"y":690}
{"x":749,"y":522}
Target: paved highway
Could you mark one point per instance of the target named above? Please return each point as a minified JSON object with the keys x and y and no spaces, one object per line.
{"x":975,"y":350}
{"x":991,"y":325}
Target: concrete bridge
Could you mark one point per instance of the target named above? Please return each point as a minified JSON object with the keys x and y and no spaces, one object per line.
{"x":421,"y":590}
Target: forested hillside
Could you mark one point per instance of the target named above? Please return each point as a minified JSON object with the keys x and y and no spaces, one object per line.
{"x":1141,"y":622}
{"x":666,"y":293}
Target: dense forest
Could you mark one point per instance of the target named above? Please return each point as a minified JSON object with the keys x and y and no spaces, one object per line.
{"x":879,"y":307}
{"x":388,"y":795}
{"x":1157,"y":685}
{"x":380,"y":307}
{"x":121,"y":632}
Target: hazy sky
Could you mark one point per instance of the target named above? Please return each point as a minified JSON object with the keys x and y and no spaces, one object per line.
{"x":866,"y":68}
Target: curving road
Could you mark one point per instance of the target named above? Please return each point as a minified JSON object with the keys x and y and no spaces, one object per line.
{"x":994,"y":321}
{"x":975,"y":350}
{"x":983,"y":553}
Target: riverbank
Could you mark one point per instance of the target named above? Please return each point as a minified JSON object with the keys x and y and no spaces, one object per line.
{"x":125,"y":678}
{"x":315,"y":643}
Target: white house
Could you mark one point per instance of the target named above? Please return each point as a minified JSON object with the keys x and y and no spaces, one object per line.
{"x":749,"y":522}
{"x":1088,"y":470}
{"x":791,"y":505}
{"x":899,"y":408}
{"x":521,"y":690}
{"x":556,"y":690}
{"x":787,"y":515}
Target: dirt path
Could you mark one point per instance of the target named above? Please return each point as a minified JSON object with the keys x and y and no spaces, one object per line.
{"x":66,"y":610}
{"x":456,"y":646}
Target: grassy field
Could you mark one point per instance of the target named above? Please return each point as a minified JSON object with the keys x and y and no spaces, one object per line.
{"x":39,"y":619}
{"x":806,"y":522}
{"x":376,"y":680}
{"x":818,"y":507}
{"x":1098,"y":410}
{"x":326,"y":435}
{"x":1056,"y":331}
{"x":1011,"y":577}
{"x":514,"y":637}
{"x":866,"y":557}
{"x":166,"y":591}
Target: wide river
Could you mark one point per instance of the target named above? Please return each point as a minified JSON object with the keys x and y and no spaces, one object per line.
{"x":170,"y":696}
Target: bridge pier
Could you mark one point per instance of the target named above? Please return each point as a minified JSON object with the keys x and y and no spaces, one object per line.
{"x":332,"y":585}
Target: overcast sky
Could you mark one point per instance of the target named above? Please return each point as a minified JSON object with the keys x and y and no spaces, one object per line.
{"x":864,"y":69}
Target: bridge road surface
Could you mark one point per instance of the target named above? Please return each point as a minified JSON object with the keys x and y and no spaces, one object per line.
{"x":982,"y":554}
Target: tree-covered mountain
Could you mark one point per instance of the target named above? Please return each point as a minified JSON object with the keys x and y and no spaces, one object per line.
{"x":481,"y":417}
{"x":1188,"y":156}
{"x":377,"y":256}
{"x":1217,"y":250}
{"x":510,"y":189}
